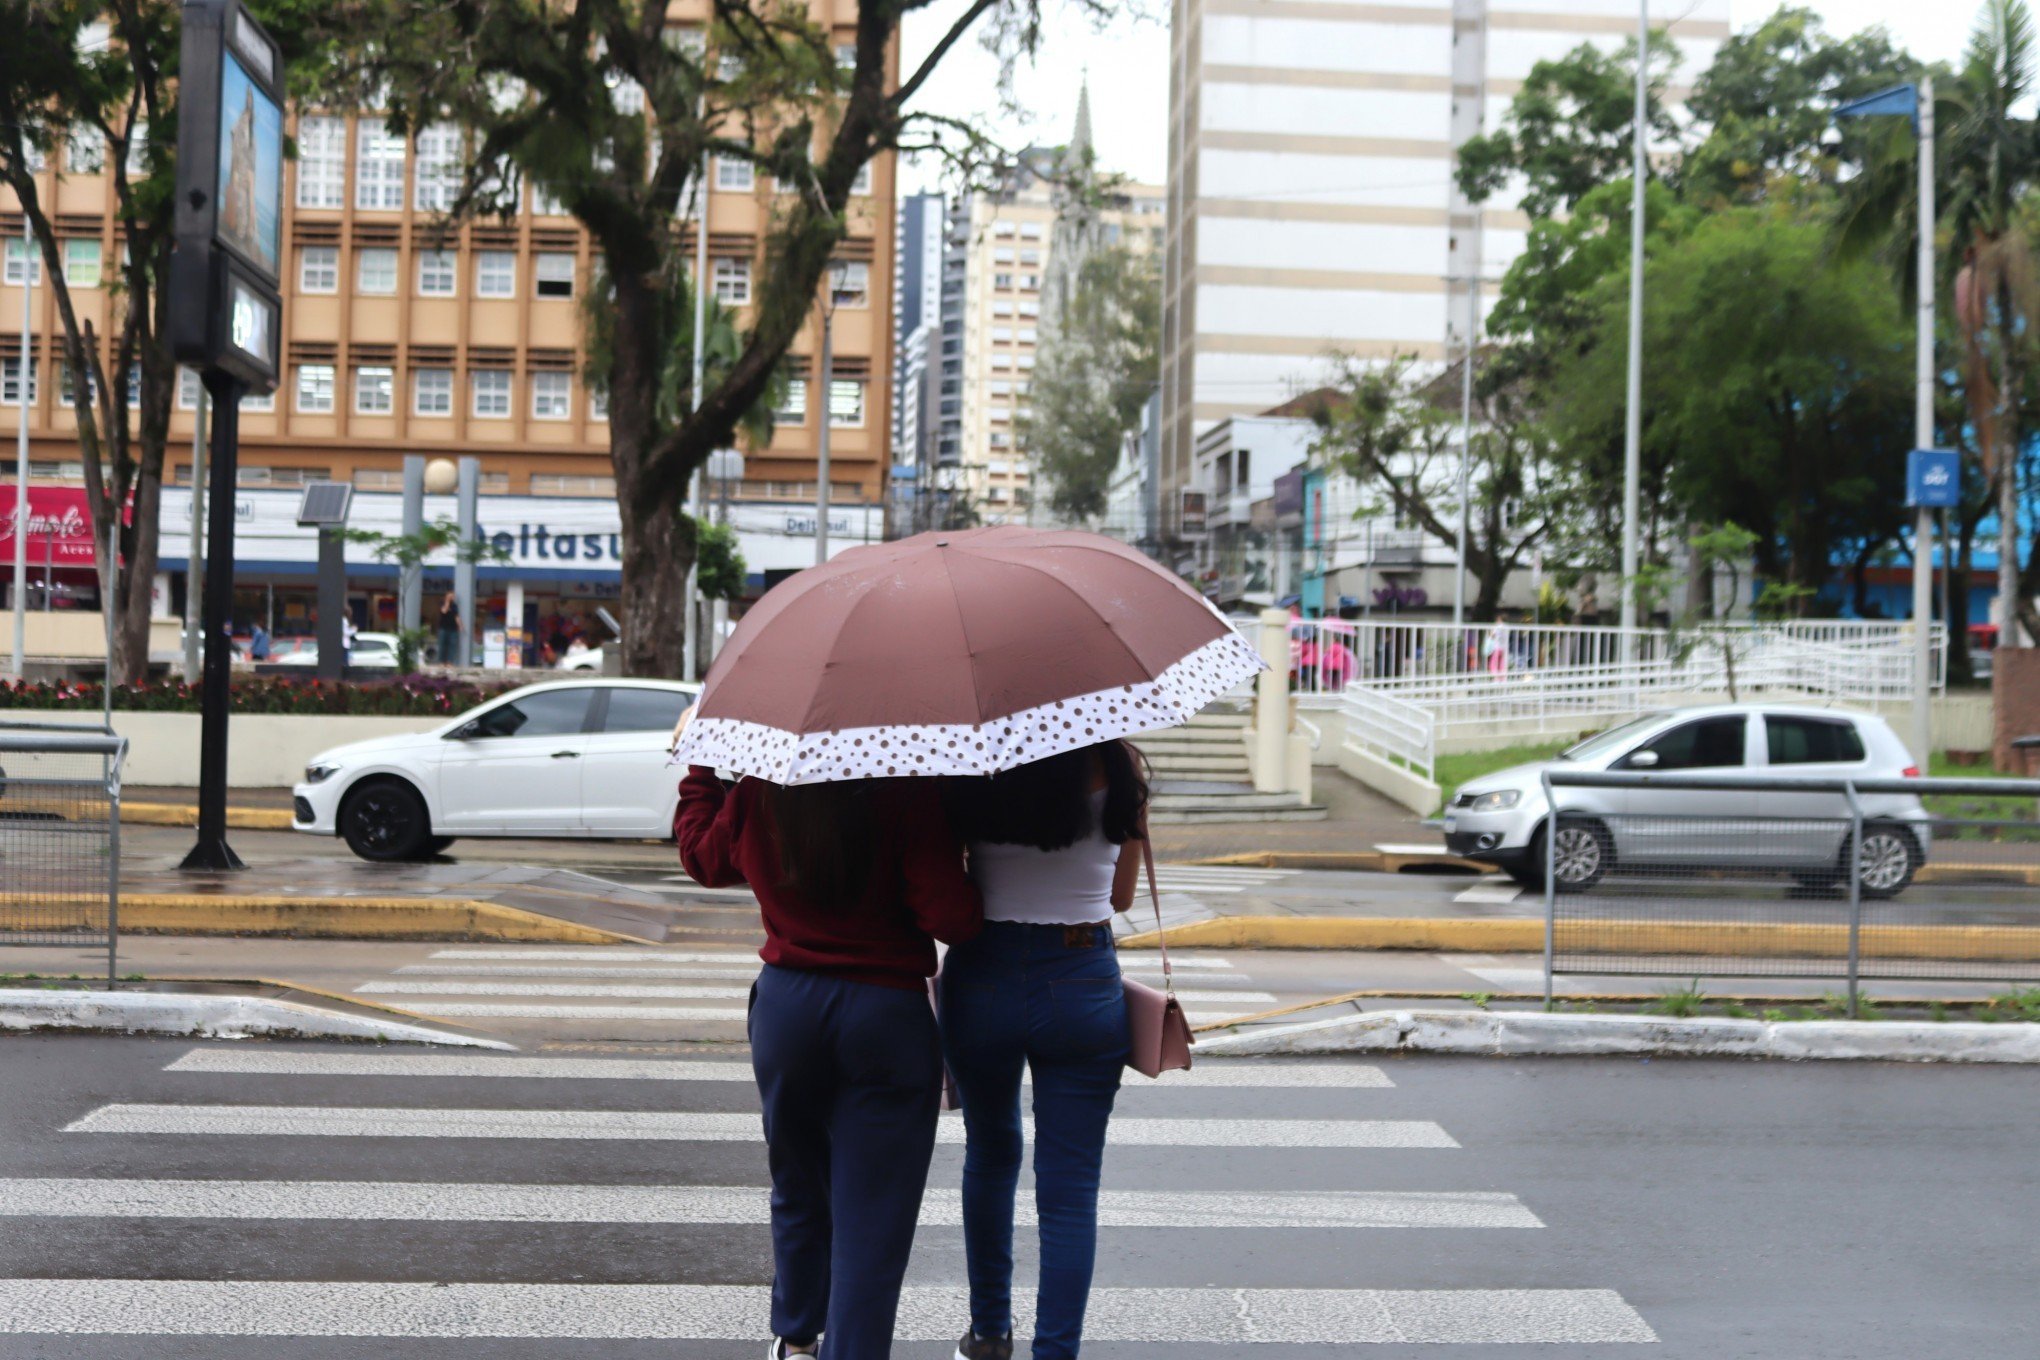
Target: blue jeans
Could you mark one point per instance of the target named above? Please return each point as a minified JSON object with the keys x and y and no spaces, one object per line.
{"x":850,"y":1075}
{"x":1048,"y":998}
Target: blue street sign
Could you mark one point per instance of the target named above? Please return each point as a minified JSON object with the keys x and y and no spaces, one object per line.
{"x":1933,"y":478}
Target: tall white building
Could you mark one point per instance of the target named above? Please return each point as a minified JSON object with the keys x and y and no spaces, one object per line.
{"x":1312,"y":209}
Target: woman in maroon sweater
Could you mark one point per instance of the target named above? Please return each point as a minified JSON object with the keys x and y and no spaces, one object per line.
{"x":855,"y":881}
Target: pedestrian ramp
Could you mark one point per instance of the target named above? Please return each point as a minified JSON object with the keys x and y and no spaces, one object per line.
{"x":589,"y":1224}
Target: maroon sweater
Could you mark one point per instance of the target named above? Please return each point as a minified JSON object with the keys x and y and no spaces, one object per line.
{"x":917,"y":890}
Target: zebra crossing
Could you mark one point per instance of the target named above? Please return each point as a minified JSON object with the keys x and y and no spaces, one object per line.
{"x":283,"y":1147}
{"x":1184,"y":878}
{"x":652,"y":986}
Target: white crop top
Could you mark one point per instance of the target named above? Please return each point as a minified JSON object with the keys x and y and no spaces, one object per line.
{"x":1067,"y":887}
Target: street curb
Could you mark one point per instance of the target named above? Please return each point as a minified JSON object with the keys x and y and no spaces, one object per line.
{"x":353,"y":918}
{"x":178,"y":1015}
{"x":183,"y":814}
{"x":1384,"y":862}
{"x":1525,"y":935}
{"x":1533,"y":1034}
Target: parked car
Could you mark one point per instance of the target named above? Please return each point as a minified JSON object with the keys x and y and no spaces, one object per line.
{"x":1501,"y":818}
{"x":378,"y":650}
{"x":583,"y":758}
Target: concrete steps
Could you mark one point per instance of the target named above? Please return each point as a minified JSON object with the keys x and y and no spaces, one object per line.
{"x":1201,"y":775}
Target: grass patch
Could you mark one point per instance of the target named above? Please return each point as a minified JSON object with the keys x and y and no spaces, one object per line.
{"x":1460,"y":766}
{"x":1976,"y":807}
{"x":1679,"y":1002}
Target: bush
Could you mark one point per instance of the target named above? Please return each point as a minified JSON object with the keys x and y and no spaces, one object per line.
{"x":416,"y":696}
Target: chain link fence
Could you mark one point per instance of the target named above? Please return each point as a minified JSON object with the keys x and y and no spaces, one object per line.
{"x":1753,"y":876}
{"x":60,"y":838}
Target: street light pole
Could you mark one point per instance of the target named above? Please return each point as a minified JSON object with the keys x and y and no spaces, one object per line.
{"x":828,"y":418}
{"x":28,"y":264}
{"x":1632,"y":437}
{"x":1923,"y":438}
{"x":1466,"y":439}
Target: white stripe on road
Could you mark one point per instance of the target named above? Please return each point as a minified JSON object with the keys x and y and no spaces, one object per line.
{"x":1491,"y":893}
{"x":678,"y":1312}
{"x":464,"y":1203}
{"x":322,"y":1121}
{"x":510,"y":1010}
{"x":650,"y":992}
{"x":628,"y":954}
{"x":1275,"y":1072}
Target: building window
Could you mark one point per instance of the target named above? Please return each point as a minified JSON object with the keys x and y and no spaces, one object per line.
{"x":432,"y":392}
{"x":261,"y":405}
{"x":598,"y":403}
{"x":1030,"y":306}
{"x":1026,"y":335}
{"x":1002,"y":255}
{"x":375,"y":271}
{"x":860,"y":187}
{"x":1030,"y":231}
{"x":846,"y":56}
{"x":1002,"y":360}
{"x":1024,"y":360}
{"x":81,"y":263}
{"x":22,"y":257}
{"x":315,"y":389}
{"x":10,"y":380}
{"x":438,"y":180}
{"x":187,"y":388}
{"x":1030,"y":257}
{"x":378,"y":170}
{"x":1001,"y":307}
{"x":496,"y":274}
{"x":846,"y":402}
{"x":851,"y":286}
{"x":138,"y":149}
{"x":1000,"y":333}
{"x":1002,"y":228}
{"x":571,"y":484}
{"x":374,"y":391}
{"x":735,"y":174}
{"x":322,"y":162}
{"x":319,"y":269}
{"x":492,"y":393}
{"x":544,"y":204}
{"x":732,"y":281}
{"x":435,"y":273}
{"x":1002,"y":280}
{"x":552,"y":396}
{"x":378,"y":479}
{"x":85,"y":150}
{"x":554,"y":275}
{"x":793,"y":409}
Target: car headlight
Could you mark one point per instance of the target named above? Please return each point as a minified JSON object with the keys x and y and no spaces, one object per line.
{"x":319,"y":771}
{"x":1495,"y":802}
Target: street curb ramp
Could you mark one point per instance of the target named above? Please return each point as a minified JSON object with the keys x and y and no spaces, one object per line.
{"x":1509,"y":1034}
{"x":211,"y":1016}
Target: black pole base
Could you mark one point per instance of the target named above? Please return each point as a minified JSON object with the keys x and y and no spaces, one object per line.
{"x":212,"y":853}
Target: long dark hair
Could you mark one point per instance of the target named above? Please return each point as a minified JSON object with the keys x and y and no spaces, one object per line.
{"x":825,"y":834}
{"x":1046,"y":804}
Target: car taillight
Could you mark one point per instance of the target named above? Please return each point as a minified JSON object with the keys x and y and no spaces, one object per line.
{"x":1910,"y":772}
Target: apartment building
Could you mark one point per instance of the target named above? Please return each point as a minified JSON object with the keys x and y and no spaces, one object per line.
{"x":917,"y":338}
{"x":401,"y":336}
{"x":1311,"y":204}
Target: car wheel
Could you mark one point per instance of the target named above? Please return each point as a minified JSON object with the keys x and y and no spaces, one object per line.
{"x":1580,"y":856}
{"x":437,"y":845}
{"x":1889,"y":860}
{"x":1530,"y":873}
{"x":385,"y":821}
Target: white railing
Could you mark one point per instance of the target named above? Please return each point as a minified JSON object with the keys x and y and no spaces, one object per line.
{"x":1551,"y":681}
{"x":1381,"y":725}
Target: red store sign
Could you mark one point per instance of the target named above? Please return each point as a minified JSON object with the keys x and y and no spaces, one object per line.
{"x":59,"y":527}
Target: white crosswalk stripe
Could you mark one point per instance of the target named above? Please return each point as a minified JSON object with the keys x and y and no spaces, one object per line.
{"x":1276,"y":1073}
{"x":1140,"y":969}
{"x":324,"y":1121}
{"x":634,"y":954}
{"x":732,"y":1312}
{"x":510,"y":1010}
{"x":677,"y":992}
{"x":942,"y":1208}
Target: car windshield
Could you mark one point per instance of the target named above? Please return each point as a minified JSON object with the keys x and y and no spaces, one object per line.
{"x":1602,"y":743}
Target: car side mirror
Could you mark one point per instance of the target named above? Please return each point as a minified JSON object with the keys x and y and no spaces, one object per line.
{"x":466,"y":731}
{"x":1642,"y":760}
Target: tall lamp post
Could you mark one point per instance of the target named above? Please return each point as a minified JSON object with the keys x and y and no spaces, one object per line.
{"x":1632,"y":433}
{"x":1932,"y":477}
{"x":30,"y":261}
{"x":831,"y":281}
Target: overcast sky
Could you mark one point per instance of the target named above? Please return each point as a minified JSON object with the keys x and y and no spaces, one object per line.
{"x":1128,"y":66}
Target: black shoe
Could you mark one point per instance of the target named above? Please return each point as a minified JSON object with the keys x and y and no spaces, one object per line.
{"x":975,"y":1347}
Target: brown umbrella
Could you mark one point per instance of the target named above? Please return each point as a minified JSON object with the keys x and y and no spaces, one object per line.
{"x":960,"y":653}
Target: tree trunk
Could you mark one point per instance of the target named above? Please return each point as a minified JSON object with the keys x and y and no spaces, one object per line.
{"x":2011,"y":614}
{"x":658,"y":552}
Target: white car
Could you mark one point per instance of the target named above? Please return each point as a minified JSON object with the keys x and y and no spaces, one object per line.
{"x":582,"y":758}
{"x":1500,"y":818}
{"x":377,"y":650}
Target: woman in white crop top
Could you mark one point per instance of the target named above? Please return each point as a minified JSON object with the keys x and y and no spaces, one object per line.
{"x":1055,"y":849}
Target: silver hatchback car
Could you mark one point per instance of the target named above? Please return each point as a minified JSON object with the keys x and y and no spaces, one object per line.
{"x":1500,"y":818}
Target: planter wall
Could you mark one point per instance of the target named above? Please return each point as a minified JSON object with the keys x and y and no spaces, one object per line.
{"x":264,"y":750}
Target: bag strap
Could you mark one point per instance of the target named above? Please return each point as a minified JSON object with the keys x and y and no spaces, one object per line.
{"x":1147,"y":854}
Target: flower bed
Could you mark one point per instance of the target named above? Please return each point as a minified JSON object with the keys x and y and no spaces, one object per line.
{"x":415,"y":696}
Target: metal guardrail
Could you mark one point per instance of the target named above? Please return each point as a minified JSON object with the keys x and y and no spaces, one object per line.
{"x":60,"y":839}
{"x":1383,"y":726}
{"x":1744,"y":875}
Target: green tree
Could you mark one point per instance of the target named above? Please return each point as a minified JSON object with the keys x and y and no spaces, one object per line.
{"x":1397,"y":435}
{"x":1778,"y":392}
{"x":610,"y":111}
{"x":1095,"y":371}
{"x":85,"y":82}
{"x":720,"y":566}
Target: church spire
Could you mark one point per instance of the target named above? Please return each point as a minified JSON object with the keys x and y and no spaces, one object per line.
{"x":1080,"y":135}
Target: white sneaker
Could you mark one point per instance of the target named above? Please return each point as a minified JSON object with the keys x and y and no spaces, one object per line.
{"x":779,"y":1350}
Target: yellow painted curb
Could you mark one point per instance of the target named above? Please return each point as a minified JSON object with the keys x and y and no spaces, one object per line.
{"x":1741,"y":939}
{"x":1377,"y":862}
{"x":181,"y":814}
{"x":352,"y":918}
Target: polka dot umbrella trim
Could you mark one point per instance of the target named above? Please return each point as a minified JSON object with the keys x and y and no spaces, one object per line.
{"x":960,"y":653}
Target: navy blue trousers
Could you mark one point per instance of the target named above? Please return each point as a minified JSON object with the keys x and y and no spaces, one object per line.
{"x":850,"y":1074}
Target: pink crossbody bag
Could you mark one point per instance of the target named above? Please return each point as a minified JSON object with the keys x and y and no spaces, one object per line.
{"x":1158,"y":1031}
